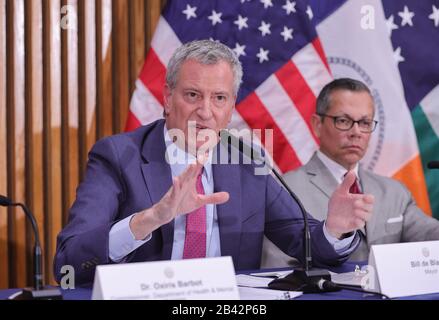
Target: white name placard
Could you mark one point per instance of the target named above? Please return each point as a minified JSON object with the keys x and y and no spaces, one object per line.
{"x":405,"y":269}
{"x":201,"y":279}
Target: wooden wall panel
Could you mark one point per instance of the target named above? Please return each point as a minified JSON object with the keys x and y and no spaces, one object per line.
{"x":121,"y":63}
{"x":70,"y":104}
{"x":88,"y":67}
{"x":16,"y":137}
{"x":104,"y":76}
{"x":52,"y":129}
{"x":67,"y":72}
{"x":136,"y":38}
{"x":4,"y":274}
{"x":34,"y":119}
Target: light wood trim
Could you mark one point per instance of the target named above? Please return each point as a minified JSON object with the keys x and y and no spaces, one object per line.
{"x":60,"y":91}
{"x":4,"y":275}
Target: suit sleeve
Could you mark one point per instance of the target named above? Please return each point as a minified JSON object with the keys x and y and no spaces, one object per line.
{"x":417,"y":226}
{"x":83,"y":243}
{"x":284,"y":227}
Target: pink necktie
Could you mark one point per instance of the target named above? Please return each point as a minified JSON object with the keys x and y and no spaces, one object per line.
{"x":195,"y":239}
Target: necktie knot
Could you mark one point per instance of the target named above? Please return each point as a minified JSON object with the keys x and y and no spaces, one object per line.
{"x":354,"y":188}
{"x":199,"y":183}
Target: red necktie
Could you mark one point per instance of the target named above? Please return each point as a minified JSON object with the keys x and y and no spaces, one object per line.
{"x":355,"y":188}
{"x":195,"y":239}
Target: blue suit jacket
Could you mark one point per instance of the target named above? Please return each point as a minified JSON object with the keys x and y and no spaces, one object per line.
{"x":127,"y":173}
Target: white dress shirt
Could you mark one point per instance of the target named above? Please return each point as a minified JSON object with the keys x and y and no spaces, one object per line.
{"x":337,"y":170}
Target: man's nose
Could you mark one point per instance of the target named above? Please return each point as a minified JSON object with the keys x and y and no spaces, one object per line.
{"x":355,"y":130}
{"x":204,"y":110}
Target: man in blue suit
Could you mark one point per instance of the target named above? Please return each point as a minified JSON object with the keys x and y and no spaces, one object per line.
{"x":142,"y":200}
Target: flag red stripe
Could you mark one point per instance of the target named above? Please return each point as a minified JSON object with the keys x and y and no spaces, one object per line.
{"x":319,"y":48}
{"x":255,"y":114}
{"x":132,"y":122}
{"x":299,"y":92}
{"x":153,"y":75}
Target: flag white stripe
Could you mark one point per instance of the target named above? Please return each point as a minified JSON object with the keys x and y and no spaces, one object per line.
{"x":312,"y":68}
{"x":144,"y":105}
{"x":165,"y":41}
{"x":430,"y":106}
{"x":287,"y":117}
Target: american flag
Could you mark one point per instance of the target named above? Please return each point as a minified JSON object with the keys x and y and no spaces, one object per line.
{"x":284,"y":66}
{"x":289,"y":50}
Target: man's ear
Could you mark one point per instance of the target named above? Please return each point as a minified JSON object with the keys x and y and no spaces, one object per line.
{"x":167,"y":93}
{"x":316,"y":124}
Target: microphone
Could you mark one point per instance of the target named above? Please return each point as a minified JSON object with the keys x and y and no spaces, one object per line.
{"x":38,"y":292}
{"x":433,"y":165}
{"x":304,"y":279}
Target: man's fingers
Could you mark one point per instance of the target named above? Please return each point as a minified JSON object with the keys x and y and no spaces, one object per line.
{"x":362,"y":214}
{"x":362,"y":204}
{"x":358,"y":223}
{"x":214,"y":198}
{"x":347,"y":182}
{"x":189,"y":175}
{"x":366,"y":199}
{"x":369,"y":198}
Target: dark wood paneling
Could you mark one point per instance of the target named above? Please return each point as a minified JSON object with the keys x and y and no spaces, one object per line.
{"x":16,"y":139}
{"x":70,"y":105}
{"x":4,"y":275}
{"x":137,"y":36}
{"x":121,"y":63}
{"x":104,"y":75}
{"x":34,"y":120}
{"x":66,"y":79}
{"x":52,"y":129}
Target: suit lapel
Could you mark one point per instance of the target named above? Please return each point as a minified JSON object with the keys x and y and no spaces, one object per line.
{"x":158,"y":178}
{"x":320,"y":176}
{"x":227,"y":178}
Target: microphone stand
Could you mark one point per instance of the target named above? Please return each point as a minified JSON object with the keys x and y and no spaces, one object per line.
{"x":308,"y":279}
{"x":305,"y":279}
{"x":38,"y":291}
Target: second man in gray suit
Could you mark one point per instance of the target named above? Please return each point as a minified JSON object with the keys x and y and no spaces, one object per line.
{"x":344,"y":122}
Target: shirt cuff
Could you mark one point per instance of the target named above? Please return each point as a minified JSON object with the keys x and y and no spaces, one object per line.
{"x":341,"y":246}
{"x":122,"y":241}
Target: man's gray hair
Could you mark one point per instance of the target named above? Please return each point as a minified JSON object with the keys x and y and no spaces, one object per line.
{"x":205,"y":52}
{"x":323,"y":100}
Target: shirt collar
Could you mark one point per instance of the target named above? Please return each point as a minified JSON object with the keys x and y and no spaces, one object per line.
{"x":337,"y":170}
{"x":179,"y":159}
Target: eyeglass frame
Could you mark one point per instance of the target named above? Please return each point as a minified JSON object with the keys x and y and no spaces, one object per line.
{"x":334,"y":119}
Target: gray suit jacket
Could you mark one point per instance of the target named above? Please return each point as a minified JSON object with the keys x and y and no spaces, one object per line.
{"x":396,"y":218}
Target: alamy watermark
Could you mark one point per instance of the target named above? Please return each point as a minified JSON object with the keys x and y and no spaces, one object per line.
{"x":69,"y":17}
{"x":367,"y":21}
{"x":229,"y":146}
{"x":68,"y":278}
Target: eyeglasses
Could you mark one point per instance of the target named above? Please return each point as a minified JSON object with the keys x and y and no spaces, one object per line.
{"x":344,"y":123}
